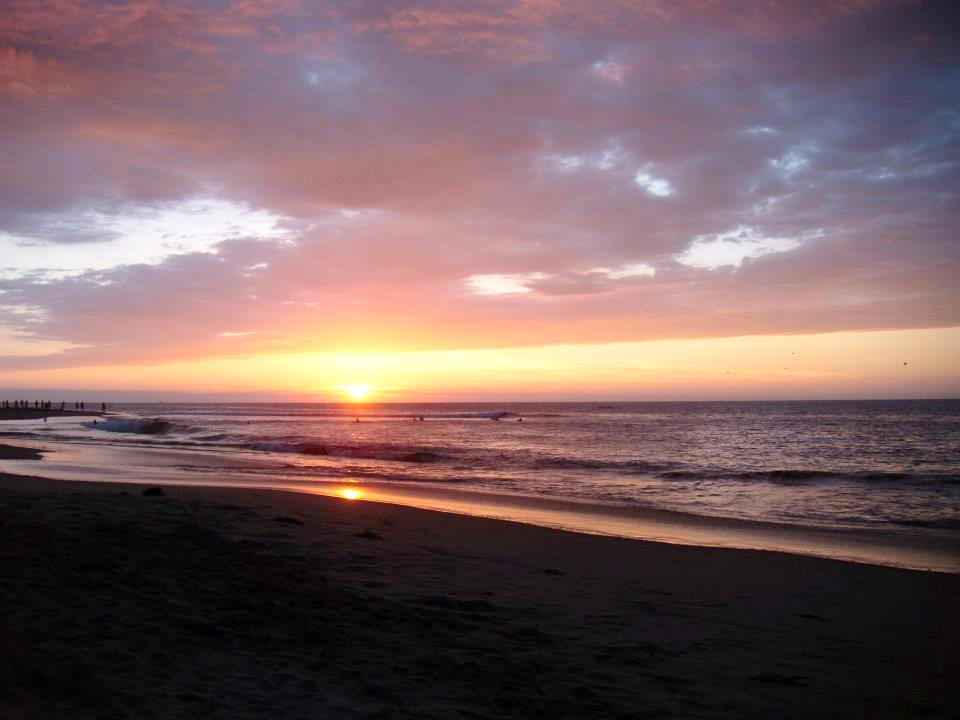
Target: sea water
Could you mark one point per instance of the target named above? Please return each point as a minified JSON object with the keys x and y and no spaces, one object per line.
{"x":890,"y":469}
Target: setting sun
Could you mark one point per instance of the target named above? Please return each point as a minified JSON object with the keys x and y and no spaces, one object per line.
{"x":355,"y":392}
{"x":351,"y":494}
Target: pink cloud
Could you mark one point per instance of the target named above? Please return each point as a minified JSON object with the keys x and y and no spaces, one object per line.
{"x":411,"y":146}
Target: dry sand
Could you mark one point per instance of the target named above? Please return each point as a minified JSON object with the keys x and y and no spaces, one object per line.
{"x":226,"y":603}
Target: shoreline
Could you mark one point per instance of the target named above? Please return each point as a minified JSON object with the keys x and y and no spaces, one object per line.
{"x":364,"y":498}
{"x":244,"y":603}
{"x":158,"y":466}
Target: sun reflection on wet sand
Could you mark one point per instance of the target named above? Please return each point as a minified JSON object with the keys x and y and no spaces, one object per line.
{"x":654,"y":525}
{"x":68,"y":461}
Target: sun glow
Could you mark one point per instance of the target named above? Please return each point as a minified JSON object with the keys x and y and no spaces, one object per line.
{"x":355,"y":392}
{"x":351,"y":494}
{"x":847,"y":364}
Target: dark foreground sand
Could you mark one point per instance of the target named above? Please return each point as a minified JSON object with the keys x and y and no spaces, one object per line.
{"x":209,"y":603}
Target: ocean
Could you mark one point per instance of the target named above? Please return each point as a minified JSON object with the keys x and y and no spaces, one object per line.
{"x":824,"y":478}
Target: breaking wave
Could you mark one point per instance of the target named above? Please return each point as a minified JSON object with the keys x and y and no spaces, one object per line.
{"x":935,"y":524}
{"x":371,"y":452}
{"x":625,"y":466}
{"x":801,"y":476}
{"x":137,"y":426}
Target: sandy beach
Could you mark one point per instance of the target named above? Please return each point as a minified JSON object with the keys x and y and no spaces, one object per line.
{"x":230,"y":603}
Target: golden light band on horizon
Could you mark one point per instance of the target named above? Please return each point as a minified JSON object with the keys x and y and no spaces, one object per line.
{"x":862,"y":364}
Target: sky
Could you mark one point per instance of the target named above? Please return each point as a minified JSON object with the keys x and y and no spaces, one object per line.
{"x":519,"y":199}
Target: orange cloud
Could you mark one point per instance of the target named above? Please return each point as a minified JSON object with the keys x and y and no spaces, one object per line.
{"x":22,"y":73}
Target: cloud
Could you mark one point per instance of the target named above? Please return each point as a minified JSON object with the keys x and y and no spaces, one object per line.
{"x":129,"y":234}
{"x":500,"y":284}
{"x":733,"y":248}
{"x":654,"y":186}
{"x":630,"y":270}
{"x":186,"y":179}
{"x":558,"y":283}
{"x":23,"y":74}
{"x":610,"y":71}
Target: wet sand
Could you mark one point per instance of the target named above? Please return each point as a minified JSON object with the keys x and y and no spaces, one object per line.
{"x":143,"y":465}
{"x":14,"y":452}
{"x":230,"y":603}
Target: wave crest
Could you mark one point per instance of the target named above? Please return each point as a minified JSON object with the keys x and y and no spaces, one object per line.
{"x":138,"y":426}
{"x":625,"y":466}
{"x":373,"y":452}
{"x":142,"y":426}
{"x":799,"y":476}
